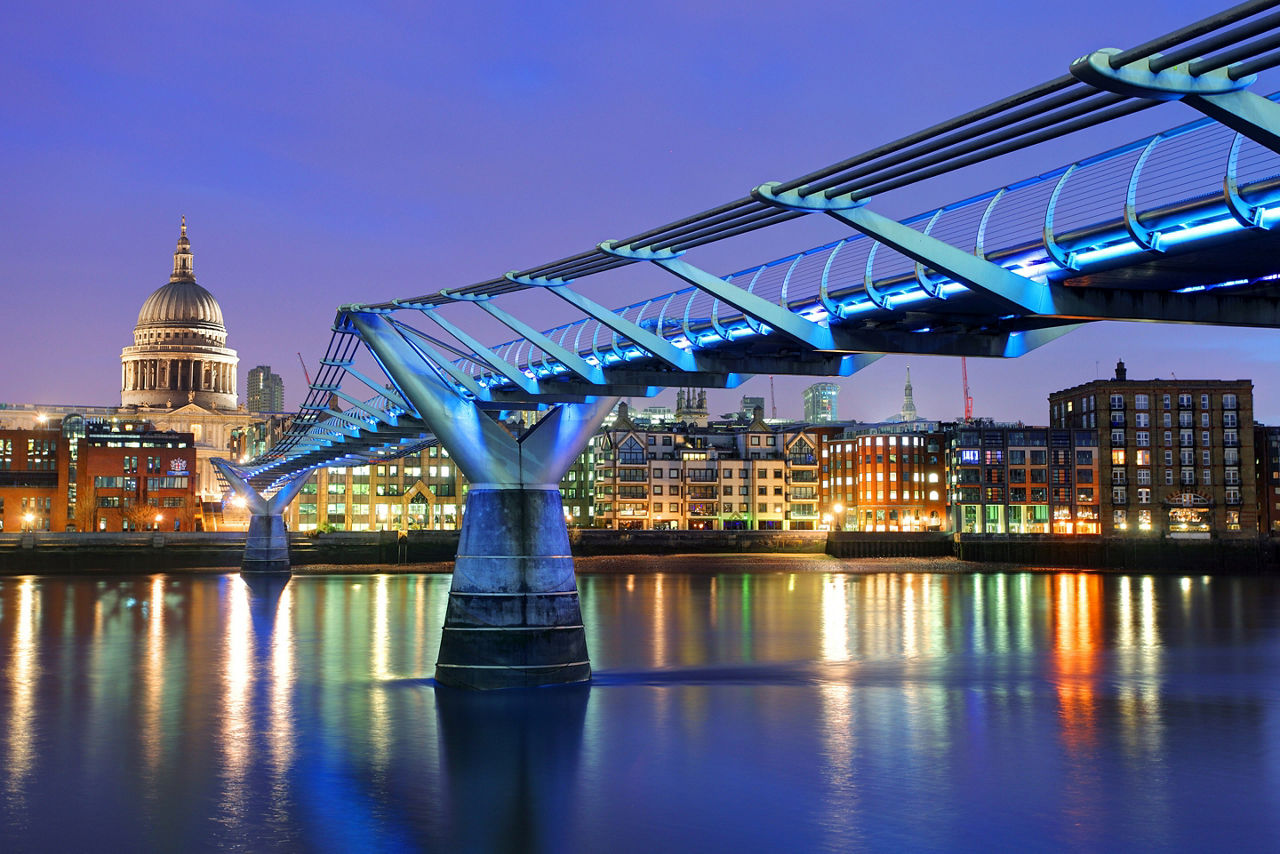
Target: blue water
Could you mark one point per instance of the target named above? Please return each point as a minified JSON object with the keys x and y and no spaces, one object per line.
{"x":793,"y":708}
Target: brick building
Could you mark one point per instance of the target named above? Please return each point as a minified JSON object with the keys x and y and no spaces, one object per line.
{"x":131,"y":477}
{"x":885,"y":480}
{"x":1177,"y":456}
{"x":33,"y":479}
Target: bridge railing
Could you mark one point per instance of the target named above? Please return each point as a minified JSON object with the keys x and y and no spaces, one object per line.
{"x":1173,"y":179}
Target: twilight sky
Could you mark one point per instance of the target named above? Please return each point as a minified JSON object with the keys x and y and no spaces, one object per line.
{"x":327,"y":153}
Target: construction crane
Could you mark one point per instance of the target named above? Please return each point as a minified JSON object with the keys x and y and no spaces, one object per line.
{"x":304,"y":369}
{"x":968,"y":398}
{"x":773,"y":401}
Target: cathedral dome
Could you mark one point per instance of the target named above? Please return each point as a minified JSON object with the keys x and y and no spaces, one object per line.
{"x":179,"y":345}
{"x":181,"y":303}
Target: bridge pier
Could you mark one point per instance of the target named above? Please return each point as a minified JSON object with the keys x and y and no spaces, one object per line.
{"x":513,"y":618}
{"x":266,"y":548}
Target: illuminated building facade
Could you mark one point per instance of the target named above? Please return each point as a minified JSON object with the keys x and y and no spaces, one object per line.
{"x":131,"y":477}
{"x":752,"y":478}
{"x":421,"y":491}
{"x":33,"y":480}
{"x":899,"y":481}
{"x":1266,"y":445}
{"x":1176,"y":456}
{"x":1024,"y":480}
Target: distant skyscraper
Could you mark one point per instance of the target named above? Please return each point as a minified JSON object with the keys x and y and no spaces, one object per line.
{"x":820,"y":402}
{"x":748,"y":406}
{"x":266,"y":390}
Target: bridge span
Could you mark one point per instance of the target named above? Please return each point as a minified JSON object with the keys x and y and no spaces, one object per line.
{"x":1176,"y":227}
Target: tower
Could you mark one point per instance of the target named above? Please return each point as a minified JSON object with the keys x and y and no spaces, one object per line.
{"x":908,"y":404}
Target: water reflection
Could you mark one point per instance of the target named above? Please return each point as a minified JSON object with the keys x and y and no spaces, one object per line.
{"x":792,"y":711}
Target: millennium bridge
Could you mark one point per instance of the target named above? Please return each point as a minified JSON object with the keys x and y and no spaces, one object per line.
{"x":1177,"y":227}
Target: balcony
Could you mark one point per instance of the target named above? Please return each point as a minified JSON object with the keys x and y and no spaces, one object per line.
{"x":702,"y":509}
{"x":804,"y":477}
{"x":802,"y":460}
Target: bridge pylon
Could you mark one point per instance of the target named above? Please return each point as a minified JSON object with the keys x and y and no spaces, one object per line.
{"x":513,"y":618}
{"x":266,"y":549}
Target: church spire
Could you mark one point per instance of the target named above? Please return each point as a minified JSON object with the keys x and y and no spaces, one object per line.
{"x":908,"y":405}
{"x":182,"y":268}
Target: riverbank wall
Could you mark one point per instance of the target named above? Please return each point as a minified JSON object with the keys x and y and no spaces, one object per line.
{"x":157,"y":552}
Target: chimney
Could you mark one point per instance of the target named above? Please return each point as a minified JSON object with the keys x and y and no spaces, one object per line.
{"x":1121,"y":373}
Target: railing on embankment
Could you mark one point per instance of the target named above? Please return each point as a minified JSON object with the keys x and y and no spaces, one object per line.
{"x":152,"y":552}
{"x":1156,"y":555}
{"x":157,"y":552}
{"x":859,"y":544}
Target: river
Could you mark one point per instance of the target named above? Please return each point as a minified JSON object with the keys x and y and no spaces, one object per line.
{"x":790,"y":708}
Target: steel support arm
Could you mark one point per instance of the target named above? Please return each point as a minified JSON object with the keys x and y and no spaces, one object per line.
{"x":783,"y":321}
{"x":658,"y":346}
{"x":572,"y":361}
{"x":1213,"y":93}
{"x":258,"y":504}
{"x":1015,"y":294}
{"x":482,"y":448}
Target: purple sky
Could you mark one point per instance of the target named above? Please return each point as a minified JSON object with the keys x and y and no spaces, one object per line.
{"x":328,"y":153}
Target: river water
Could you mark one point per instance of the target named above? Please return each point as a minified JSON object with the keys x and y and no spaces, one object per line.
{"x":795,"y":707}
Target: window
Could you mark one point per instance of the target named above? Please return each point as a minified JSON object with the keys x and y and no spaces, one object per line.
{"x":1117,"y":457}
{"x":1184,"y":401}
{"x":1166,"y":401}
{"x":1204,"y":401}
{"x":1228,"y":401}
{"x":1229,"y":420}
{"x":1144,"y":495}
{"x":1142,"y":419}
{"x":1186,"y":419}
{"x":1168,"y":458}
{"x":1084,"y":458}
{"x":1117,"y":437}
{"x":1119,"y":495}
{"x":1144,"y":476}
{"x":1140,"y":401}
{"x":1142,"y":439}
{"x":1166,"y":420}
{"x":1117,"y":401}
{"x":1142,"y":458}
{"x":1186,"y":437}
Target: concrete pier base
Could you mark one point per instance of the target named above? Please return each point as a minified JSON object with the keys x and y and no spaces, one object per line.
{"x":266,"y":549}
{"x":513,"y":619}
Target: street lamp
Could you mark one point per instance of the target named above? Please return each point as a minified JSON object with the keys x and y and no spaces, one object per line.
{"x":159,"y":519}
{"x":28,"y":518}
{"x":839,"y":508}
